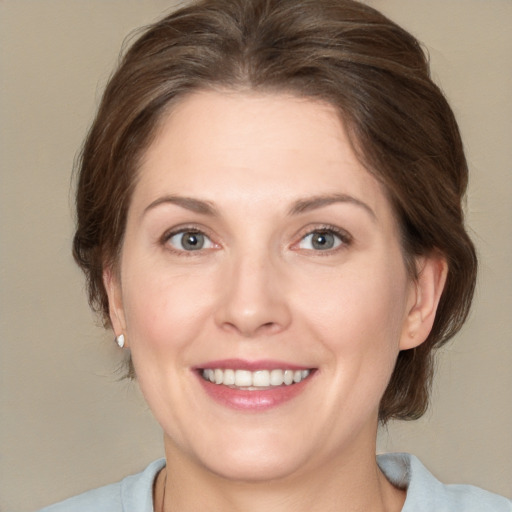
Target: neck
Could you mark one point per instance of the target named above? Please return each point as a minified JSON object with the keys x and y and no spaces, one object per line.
{"x":354,"y":484}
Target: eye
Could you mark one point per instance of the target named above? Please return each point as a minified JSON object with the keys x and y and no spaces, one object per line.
{"x":189,"y":240}
{"x":322,"y":240}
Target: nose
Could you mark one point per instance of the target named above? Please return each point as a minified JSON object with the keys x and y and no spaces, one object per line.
{"x":253,"y":302}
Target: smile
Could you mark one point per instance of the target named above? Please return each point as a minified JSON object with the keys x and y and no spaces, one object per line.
{"x":254,"y":380}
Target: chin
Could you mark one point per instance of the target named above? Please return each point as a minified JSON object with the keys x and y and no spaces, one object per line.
{"x":254,"y":468}
{"x":248,"y":456}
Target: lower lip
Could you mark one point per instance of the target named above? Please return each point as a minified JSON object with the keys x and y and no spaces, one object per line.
{"x":255,"y":400}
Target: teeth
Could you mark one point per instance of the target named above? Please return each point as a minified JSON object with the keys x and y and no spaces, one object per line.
{"x":229,"y":378}
{"x":276,"y":377}
{"x":243,"y":378}
{"x":261,"y":379}
{"x":257,"y":379}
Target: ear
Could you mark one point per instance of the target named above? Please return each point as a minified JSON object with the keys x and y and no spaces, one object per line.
{"x":112,"y":284}
{"x":426,"y":292}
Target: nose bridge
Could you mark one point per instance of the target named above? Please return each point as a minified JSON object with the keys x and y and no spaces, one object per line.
{"x":254,"y":299}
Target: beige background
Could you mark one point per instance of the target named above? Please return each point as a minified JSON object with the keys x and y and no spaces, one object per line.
{"x":66,"y":423}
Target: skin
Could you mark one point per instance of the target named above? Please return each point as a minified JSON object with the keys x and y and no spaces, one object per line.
{"x":260,"y":290}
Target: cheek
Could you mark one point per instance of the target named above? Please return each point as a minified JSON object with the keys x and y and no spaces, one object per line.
{"x":359,"y":319}
{"x":367,"y":301}
{"x":162,"y":312}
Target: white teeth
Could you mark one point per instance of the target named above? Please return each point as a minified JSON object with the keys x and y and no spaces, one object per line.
{"x":276,"y":377}
{"x":257,"y":379}
{"x":243,"y":378}
{"x":288,"y":377}
{"x":229,"y":377}
{"x":261,"y":379}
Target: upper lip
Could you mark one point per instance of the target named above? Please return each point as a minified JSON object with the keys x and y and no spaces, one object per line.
{"x":242,"y":364}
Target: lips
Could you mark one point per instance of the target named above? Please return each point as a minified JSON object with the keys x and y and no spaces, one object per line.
{"x":253,"y":386}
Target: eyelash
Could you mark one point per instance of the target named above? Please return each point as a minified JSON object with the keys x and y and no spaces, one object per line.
{"x":194,"y":230}
{"x":345,"y":239}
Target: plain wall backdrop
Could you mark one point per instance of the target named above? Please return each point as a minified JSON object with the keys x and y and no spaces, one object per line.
{"x":67,"y":423}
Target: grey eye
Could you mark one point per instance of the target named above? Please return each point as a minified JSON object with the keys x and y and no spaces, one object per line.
{"x":190,"y":241}
{"x":320,"y":241}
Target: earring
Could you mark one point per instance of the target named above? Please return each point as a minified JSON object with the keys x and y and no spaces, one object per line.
{"x":120,"y":340}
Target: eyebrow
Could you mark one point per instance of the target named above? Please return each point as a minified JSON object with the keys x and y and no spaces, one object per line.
{"x":298,"y":207}
{"x":189,"y":203}
{"x":315,"y":202}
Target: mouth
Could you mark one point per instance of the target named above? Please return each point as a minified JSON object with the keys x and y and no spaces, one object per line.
{"x":254,"y":380}
{"x":253,"y":386}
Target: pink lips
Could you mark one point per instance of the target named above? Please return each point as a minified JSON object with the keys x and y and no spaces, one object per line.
{"x":241,"y":364}
{"x":256,"y":400}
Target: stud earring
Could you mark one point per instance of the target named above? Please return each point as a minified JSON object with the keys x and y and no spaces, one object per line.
{"x":120,"y":340}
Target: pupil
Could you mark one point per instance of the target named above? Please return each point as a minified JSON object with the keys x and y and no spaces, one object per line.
{"x":192,"y":241}
{"x":323,"y":241}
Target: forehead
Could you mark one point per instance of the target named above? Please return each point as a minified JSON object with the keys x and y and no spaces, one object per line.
{"x":247,"y":147}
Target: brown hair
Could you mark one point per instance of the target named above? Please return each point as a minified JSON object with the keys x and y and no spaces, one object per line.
{"x":339,"y":51}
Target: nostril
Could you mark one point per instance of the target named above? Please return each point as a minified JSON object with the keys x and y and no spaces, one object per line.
{"x":269,"y":327}
{"x":251,"y":309}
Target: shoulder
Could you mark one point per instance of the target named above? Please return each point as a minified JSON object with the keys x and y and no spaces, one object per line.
{"x":427,"y":494}
{"x":132,"y":494}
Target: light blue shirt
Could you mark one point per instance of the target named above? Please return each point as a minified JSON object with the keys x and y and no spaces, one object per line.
{"x":424,"y":492}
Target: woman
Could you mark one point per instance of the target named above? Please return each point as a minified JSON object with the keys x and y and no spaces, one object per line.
{"x":269,"y":218}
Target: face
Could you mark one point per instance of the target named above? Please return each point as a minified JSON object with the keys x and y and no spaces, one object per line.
{"x":259,"y":254}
